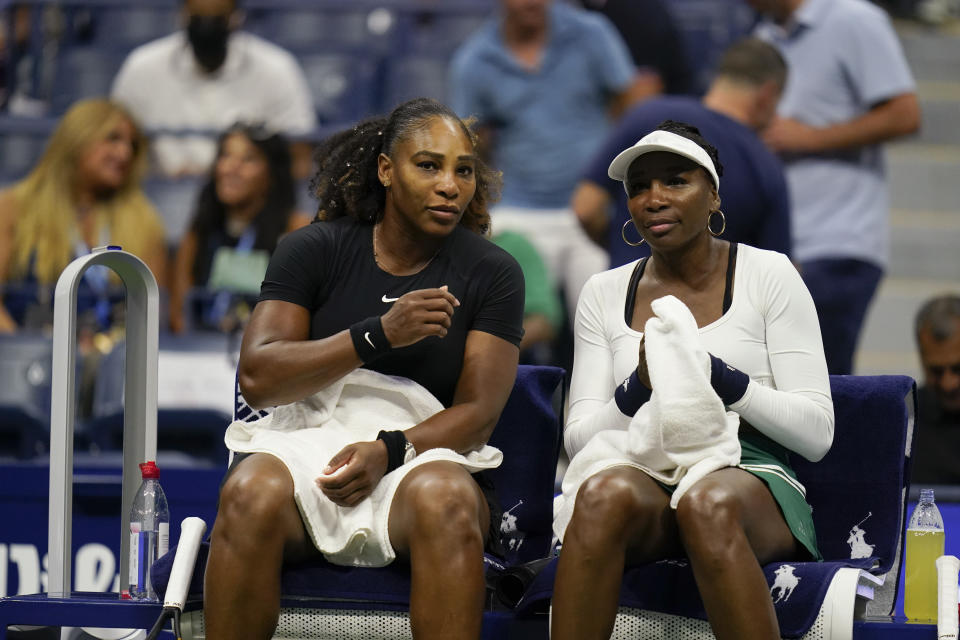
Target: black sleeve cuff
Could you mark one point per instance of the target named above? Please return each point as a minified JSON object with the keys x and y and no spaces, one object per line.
{"x":729,"y":382}
{"x":631,"y":395}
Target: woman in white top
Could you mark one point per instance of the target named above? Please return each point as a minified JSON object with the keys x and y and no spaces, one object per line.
{"x":758,"y":322}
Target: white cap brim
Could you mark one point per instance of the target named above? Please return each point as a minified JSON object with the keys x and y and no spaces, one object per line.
{"x":662,"y":141}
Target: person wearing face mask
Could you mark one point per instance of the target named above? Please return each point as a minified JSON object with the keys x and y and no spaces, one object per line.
{"x":204,"y":78}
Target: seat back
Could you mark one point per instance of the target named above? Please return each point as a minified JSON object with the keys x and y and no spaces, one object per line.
{"x":858,"y":493}
{"x":529,"y":435}
{"x":25,"y":374}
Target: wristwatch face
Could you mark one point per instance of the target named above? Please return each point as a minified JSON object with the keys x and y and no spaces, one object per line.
{"x":409,"y":453}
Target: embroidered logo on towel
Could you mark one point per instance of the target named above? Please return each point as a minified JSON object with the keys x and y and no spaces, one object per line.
{"x":859,"y":548}
{"x":785,"y":583}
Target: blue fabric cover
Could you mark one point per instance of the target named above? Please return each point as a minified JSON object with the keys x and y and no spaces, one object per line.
{"x":528,"y":433}
{"x":863,"y":474}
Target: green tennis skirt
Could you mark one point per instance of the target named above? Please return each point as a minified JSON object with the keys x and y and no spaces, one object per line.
{"x":770,"y":462}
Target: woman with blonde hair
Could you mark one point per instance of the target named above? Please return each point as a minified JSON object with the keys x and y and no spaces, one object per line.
{"x":84,"y":192}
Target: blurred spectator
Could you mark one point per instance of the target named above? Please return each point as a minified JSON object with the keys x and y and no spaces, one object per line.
{"x":655,"y":43}
{"x":741,"y":100}
{"x":849,"y":90}
{"x":544,"y":78}
{"x":937,"y":447}
{"x":242,"y":211}
{"x":84,"y":192}
{"x":208,"y":76}
{"x":542,"y":313}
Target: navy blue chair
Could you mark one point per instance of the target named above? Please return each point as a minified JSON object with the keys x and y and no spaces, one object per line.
{"x":83,"y":72}
{"x":322,"y":600}
{"x":415,"y":76}
{"x":129,"y":25}
{"x":189,"y":430}
{"x":858,"y":493}
{"x":339,"y":25}
{"x":25,"y":377}
{"x":343,"y":84}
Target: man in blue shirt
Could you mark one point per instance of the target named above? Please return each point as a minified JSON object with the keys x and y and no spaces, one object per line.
{"x":543,"y":79}
{"x":741,"y":100}
{"x":849,"y":90}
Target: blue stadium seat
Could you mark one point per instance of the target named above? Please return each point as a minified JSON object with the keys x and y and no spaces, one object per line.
{"x":310,"y":29}
{"x":25,"y":372}
{"x":22,"y":141}
{"x":343,"y":84}
{"x":19,"y":152}
{"x":129,"y":26}
{"x":708,"y":27}
{"x":414,"y":77}
{"x":439,"y":33}
{"x":192,"y":430}
{"x":83,"y":72}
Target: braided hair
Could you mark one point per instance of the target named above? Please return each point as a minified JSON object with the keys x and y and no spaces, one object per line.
{"x":690,"y":132}
{"x":347,"y":183}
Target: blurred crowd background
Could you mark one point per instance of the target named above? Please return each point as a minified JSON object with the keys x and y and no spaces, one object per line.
{"x":183,"y":132}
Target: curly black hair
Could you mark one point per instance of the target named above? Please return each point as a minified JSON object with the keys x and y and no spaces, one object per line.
{"x":690,"y":132}
{"x":346,"y":182}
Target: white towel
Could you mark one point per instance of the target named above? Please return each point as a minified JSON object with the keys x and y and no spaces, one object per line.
{"x":678,"y":436}
{"x":306,"y":434}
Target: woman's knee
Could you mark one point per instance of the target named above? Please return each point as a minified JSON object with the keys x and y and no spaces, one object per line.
{"x":707,"y":511}
{"x":613,"y":504}
{"x":442,"y":501}
{"x":257,"y":496}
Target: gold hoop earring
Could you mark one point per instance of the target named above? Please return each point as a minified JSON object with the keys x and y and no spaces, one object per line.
{"x":723,"y":224}
{"x":623,"y":234}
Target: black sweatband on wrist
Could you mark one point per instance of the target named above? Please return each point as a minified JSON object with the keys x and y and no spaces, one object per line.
{"x":396,"y":447}
{"x":729,"y":382}
{"x":631,"y":394}
{"x":369,"y":339}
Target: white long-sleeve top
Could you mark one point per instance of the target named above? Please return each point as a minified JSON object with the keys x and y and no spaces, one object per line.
{"x":770,"y":332}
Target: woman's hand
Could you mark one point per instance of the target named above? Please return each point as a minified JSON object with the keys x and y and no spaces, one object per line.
{"x":354,"y":472}
{"x":642,"y":372}
{"x":419,"y":314}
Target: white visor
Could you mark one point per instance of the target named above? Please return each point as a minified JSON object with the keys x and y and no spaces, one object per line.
{"x":661,"y":141}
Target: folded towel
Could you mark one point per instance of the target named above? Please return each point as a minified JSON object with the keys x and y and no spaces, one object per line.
{"x":306,"y":434}
{"x":678,"y":436}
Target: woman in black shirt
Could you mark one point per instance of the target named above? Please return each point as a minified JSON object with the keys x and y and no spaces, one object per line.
{"x":395,"y":276}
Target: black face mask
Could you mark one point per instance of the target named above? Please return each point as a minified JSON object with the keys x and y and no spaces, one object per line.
{"x":208,"y":39}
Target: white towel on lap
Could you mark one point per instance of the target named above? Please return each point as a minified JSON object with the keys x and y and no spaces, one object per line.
{"x":306,"y":434}
{"x":678,"y":436}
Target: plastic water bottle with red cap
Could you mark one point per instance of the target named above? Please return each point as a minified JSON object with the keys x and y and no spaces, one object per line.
{"x":149,"y":531}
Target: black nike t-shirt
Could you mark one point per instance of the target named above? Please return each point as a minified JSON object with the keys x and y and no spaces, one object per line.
{"x":328,"y":268}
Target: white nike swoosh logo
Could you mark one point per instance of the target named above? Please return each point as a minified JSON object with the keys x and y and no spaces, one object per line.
{"x":366,"y":336}
{"x":384,"y":298}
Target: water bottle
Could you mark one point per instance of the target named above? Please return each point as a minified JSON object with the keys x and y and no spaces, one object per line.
{"x":149,"y":531}
{"x":925,"y":540}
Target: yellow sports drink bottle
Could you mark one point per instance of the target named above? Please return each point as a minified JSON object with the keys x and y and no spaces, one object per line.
{"x":924,"y":545}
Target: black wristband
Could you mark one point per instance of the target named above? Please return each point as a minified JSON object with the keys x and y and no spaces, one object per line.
{"x":729,"y":382}
{"x":396,"y":448}
{"x":631,"y":394}
{"x":369,"y":339}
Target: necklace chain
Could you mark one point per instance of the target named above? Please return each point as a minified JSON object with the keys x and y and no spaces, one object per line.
{"x":376,"y":256}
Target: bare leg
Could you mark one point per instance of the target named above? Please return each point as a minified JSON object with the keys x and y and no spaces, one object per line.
{"x":730,"y":525}
{"x":258,"y":526}
{"x":620,"y":515}
{"x":438,"y":520}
